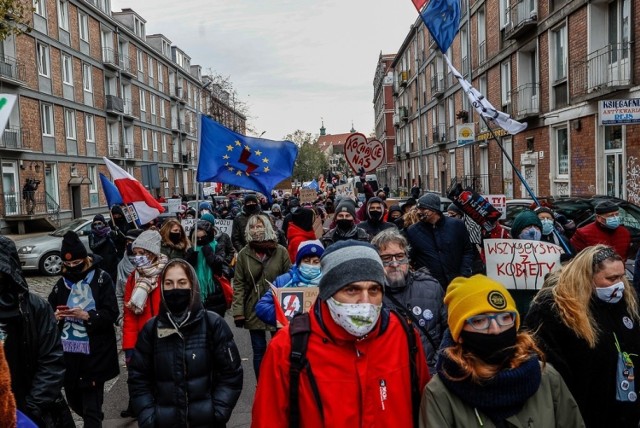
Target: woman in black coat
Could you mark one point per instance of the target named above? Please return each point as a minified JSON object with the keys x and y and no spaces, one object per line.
{"x":85,"y":305}
{"x":186,"y":369}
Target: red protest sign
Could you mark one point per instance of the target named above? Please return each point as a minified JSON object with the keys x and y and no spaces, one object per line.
{"x":362,"y":153}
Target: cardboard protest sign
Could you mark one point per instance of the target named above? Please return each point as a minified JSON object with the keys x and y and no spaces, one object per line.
{"x":475,"y":206}
{"x":188,"y":224}
{"x":499,"y":202}
{"x":308,"y":196}
{"x":173,"y":205}
{"x":520,"y":264}
{"x":224,"y":225}
{"x":346,"y":191}
{"x":362,"y":153}
{"x":295,"y":300}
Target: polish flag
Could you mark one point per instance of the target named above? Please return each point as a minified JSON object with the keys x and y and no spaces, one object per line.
{"x":133,"y":192}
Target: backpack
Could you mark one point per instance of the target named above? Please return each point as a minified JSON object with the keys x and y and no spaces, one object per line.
{"x":299,"y":331}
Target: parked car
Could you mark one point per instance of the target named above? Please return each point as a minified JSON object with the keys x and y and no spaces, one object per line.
{"x":42,"y":253}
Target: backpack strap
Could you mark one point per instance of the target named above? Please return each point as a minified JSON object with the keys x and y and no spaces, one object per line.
{"x":299,"y":331}
{"x":413,"y":367}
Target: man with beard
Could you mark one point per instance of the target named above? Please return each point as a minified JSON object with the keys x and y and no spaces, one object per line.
{"x":375,"y":218}
{"x":414,"y":294}
{"x":346,"y":227}
{"x":249,"y":208}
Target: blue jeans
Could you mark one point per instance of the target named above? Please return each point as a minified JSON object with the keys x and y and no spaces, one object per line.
{"x":259,"y":346}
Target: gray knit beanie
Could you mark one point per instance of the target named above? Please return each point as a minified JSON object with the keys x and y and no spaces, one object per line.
{"x":149,"y":240}
{"x":346,"y":262}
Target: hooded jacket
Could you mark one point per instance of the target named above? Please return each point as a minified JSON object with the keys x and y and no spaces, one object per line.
{"x":371,"y":226}
{"x":239,"y":225}
{"x":336,"y":234}
{"x":101,"y":364}
{"x":32,"y":344}
{"x":188,"y":373}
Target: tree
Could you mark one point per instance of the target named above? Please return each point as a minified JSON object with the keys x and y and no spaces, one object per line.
{"x":301,"y":137}
{"x":16,"y":17}
{"x":311,"y":161}
{"x":224,"y":105}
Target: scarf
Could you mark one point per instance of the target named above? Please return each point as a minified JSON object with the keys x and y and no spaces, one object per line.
{"x":102,"y":232}
{"x":263,"y":246}
{"x":125,"y":267}
{"x":75,"y":338}
{"x":205,"y":274}
{"x":502,"y":396}
{"x":146,"y":280}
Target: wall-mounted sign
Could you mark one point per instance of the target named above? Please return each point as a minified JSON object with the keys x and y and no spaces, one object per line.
{"x":619,"y":112}
{"x":465,"y":133}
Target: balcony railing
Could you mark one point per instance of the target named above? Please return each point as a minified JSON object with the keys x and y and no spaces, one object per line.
{"x":15,"y":139}
{"x":605,"y":69}
{"x":129,"y":151}
{"x":125,"y":65}
{"x":114,"y":104}
{"x":440,"y":134}
{"x":114,"y":150}
{"x":482,"y":52}
{"x":437,"y":84}
{"x":525,"y":100}
{"x":478,"y":183}
{"x":465,"y":65}
{"x":127,"y":107}
{"x":31,"y":203}
{"x":523,"y":18}
{"x":110,"y":57}
{"x":11,"y":70}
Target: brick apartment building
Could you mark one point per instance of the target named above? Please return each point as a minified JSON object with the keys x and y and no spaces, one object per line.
{"x":91,"y":83}
{"x":549,"y":64}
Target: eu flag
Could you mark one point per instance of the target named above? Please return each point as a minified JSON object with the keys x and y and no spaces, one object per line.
{"x":248,"y":162}
{"x":442,"y":18}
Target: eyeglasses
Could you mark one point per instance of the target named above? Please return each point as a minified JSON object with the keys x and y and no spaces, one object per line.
{"x":388,"y":259}
{"x":482,"y":322}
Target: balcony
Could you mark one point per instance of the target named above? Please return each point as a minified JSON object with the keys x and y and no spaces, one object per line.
{"x":176,"y":157}
{"x":114,"y":150}
{"x":125,"y":66}
{"x":478,"y":183}
{"x":526,"y":100}
{"x":11,"y":71}
{"x":127,"y":105}
{"x":605,"y":70}
{"x":186,"y":158}
{"x":110,"y":58}
{"x":129,"y":151}
{"x":482,"y":52}
{"x":523,"y":20}
{"x":404,"y":78}
{"x":115,"y":105}
{"x":396,"y":119}
{"x":404,"y":113}
{"x":437,"y":85}
{"x":15,"y":139}
{"x":440,"y":134}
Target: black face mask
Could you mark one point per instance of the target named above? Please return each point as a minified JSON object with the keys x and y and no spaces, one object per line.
{"x":251,"y":209}
{"x":177,"y":300}
{"x":344,"y":224}
{"x":203,"y":241}
{"x":175,"y":237}
{"x":75,"y":269}
{"x":375,"y":215}
{"x":491,"y":348}
{"x":277,"y":214}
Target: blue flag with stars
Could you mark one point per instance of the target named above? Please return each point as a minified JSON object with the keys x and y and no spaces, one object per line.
{"x":248,"y":162}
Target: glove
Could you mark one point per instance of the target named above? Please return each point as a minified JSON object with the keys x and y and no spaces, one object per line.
{"x":239,"y":321}
{"x":206,"y":249}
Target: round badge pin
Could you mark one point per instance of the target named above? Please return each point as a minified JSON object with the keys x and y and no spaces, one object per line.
{"x":632,"y":396}
{"x":628,"y":322}
{"x":417,"y":310}
{"x":422,"y":323}
{"x":624,"y":385}
{"x":427,"y":314}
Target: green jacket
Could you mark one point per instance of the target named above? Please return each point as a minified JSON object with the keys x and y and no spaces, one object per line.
{"x":551,"y":406}
{"x":172,"y":252}
{"x":250,"y":282}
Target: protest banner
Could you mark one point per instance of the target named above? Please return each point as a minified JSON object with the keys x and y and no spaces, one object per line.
{"x":208,"y":190}
{"x":188,"y":224}
{"x":173,"y":205}
{"x":475,"y":206}
{"x":224,"y":225}
{"x":308,"y":196}
{"x":362,"y":153}
{"x":345,"y":191}
{"x":499,"y":202}
{"x":296,"y":300}
{"x":521,"y":264}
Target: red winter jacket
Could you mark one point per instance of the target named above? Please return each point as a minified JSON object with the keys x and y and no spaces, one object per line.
{"x":362,"y":383}
{"x":296,"y":235}
{"x":594,"y":233}
{"x":132,"y":323}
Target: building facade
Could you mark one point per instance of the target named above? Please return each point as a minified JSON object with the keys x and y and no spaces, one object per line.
{"x":91,"y":83}
{"x":385,"y":130}
{"x":549,"y":64}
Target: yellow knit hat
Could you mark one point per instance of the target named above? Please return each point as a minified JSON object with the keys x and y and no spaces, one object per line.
{"x":468,"y":297}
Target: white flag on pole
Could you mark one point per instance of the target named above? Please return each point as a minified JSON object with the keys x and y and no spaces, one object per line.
{"x":484,"y":107}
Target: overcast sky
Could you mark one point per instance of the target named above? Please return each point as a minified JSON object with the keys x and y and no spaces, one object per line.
{"x":292,"y":62}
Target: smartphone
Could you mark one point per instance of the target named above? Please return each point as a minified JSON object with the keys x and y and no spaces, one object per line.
{"x":62,"y":307}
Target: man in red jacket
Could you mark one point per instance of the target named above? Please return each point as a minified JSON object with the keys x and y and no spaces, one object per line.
{"x":605,"y":230}
{"x":358,"y":371}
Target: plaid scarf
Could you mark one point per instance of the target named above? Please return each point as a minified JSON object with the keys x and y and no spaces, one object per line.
{"x":146,"y":280}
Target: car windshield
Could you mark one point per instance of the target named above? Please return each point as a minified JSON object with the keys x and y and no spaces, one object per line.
{"x":630,"y":216}
{"x":70,"y":226}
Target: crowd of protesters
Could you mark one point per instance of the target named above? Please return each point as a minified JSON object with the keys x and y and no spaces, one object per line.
{"x":406,"y":329}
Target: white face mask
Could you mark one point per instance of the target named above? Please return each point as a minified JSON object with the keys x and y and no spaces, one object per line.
{"x":141,"y":261}
{"x":611,"y":294}
{"x":358,"y":319}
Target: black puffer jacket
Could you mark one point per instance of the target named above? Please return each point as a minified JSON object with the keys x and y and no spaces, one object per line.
{"x":188,"y":374}
{"x":336,"y":234}
{"x":32,"y":346}
{"x":106,"y":248}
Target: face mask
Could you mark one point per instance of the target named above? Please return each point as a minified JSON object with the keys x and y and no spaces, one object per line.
{"x":491,"y":348}
{"x":75,"y":269}
{"x":177,"y":300}
{"x":141,"y":261}
{"x":277,"y":214}
{"x":358,"y":319}
{"x":613,"y":222}
{"x":531,"y":234}
{"x":257,"y":234}
{"x":203,"y":212}
{"x":375,"y":215}
{"x":251,"y":209}
{"x":611,"y":294}
{"x":344,"y":224}
{"x":175,"y":237}
{"x":309,"y":271}
{"x":547,"y":226}
{"x":203,"y":241}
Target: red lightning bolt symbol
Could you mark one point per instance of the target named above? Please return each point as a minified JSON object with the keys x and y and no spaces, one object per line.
{"x":244,"y":159}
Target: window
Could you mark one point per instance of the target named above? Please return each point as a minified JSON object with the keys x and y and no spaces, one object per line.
{"x":44,"y":66}
{"x":160,"y":78}
{"x":145,"y":144}
{"x":46,"y":111}
{"x":151,"y":68}
{"x":562,"y":151}
{"x":154,"y":141}
{"x":83,"y":26}
{"x":505,"y":85}
{"x":482,"y":37}
{"x":140,"y":62}
{"x":559,"y":68}
{"x":67,"y":70}
{"x":70,"y":124}
{"x":93,"y":176}
{"x":164,"y":143}
{"x":504,"y":13}
{"x":89,"y":128}
{"x":143,"y":100}
{"x":166,"y":49}
{"x":63,"y":14}
{"x":162,"y":108}
{"x":153,"y":104}
{"x":138,"y":27}
{"x":87,"y":78}
{"x":39,"y":7}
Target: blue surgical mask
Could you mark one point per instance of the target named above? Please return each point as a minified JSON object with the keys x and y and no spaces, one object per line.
{"x":531,"y":233}
{"x":611,"y":294}
{"x":547,"y":226}
{"x":613,"y":222}
{"x":309,"y":272}
{"x":141,"y":261}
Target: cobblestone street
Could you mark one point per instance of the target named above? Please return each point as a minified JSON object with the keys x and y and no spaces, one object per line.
{"x":40,"y":285}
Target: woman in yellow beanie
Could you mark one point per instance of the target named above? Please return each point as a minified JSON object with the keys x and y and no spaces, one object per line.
{"x":491,"y":375}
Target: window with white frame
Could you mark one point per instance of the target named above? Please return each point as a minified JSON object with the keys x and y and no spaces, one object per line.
{"x":39,"y":7}
{"x":138,"y":27}
{"x":67,"y":70}
{"x":44,"y":64}
{"x":70,"y":124}
{"x":151,"y":67}
{"x":561,"y":140}
{"x":143,"y":99}
{"x":154,"y":140}
{"x":160,"y":77}
{"x":63,"y":14}
{"x":145,"y":143}
{"x":83,"y":26}
{"x":87,"y":78}
{"x":93,"y":176}
{"x":558,"y":61}
{"x":166,"y":49}
{"x":164,"y":143}
{"x":504,"y":13}
{"x":482,"y":36}
{"x":89,"y":128}
{"x":46,"y":113}
{"x":161,"y":108}
{"x":153,"y":104}
{"x":140,"y":58}
{"x":505,"y":85}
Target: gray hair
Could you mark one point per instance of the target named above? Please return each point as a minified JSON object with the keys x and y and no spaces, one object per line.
{"x":269,"y":232}
{"x":390,"y":236}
